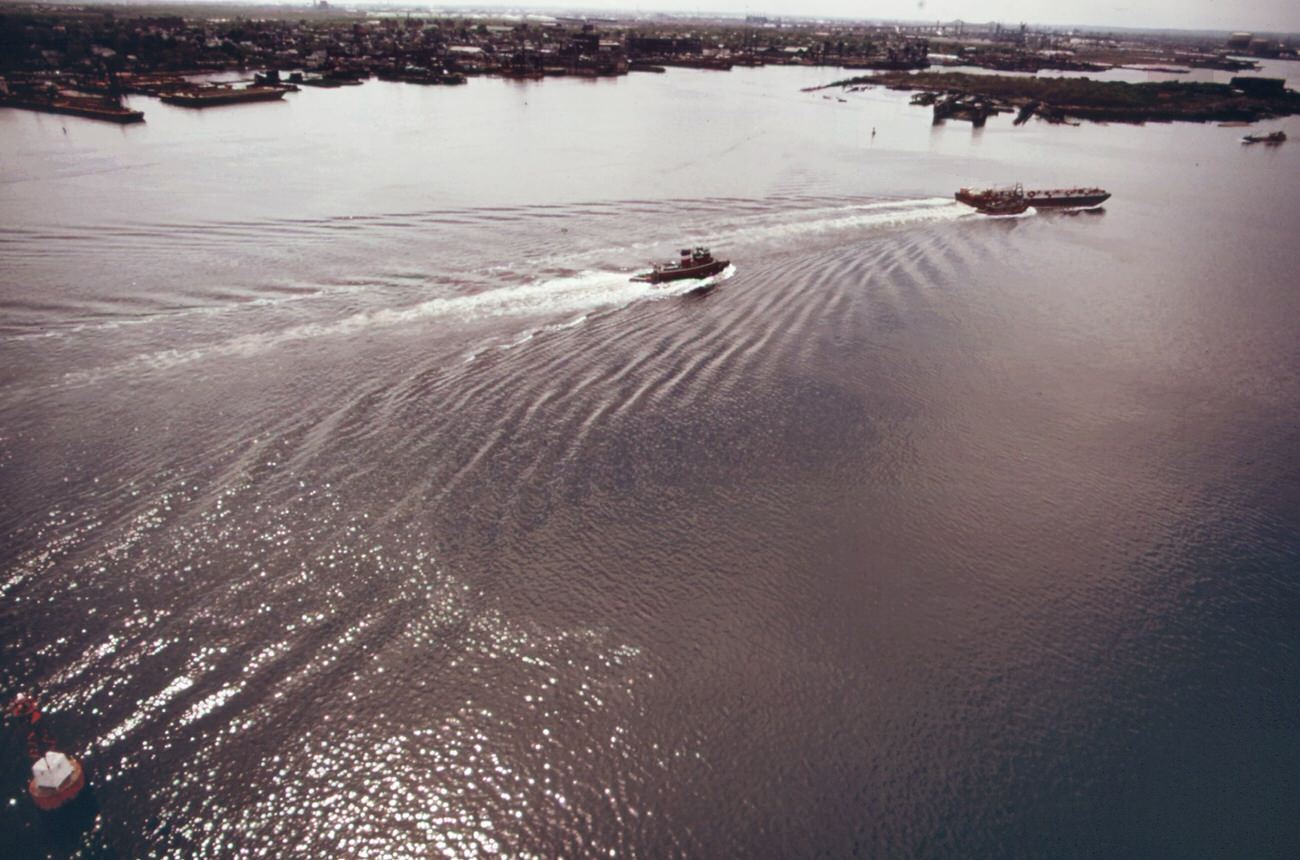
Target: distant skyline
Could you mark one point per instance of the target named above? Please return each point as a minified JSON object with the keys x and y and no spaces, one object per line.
{"x":1265,"y":16}
{"x":1261,"y":15}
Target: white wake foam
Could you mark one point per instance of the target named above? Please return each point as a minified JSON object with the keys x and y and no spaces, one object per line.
{"x":581,"y":293}
{"x":864,"y":217}
{"x":568,"y":298}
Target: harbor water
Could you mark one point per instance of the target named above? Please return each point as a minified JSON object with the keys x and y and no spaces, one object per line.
{"x":356,"y":504}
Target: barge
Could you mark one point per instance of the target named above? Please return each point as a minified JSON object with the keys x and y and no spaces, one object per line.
{"x":88,"y":108}
{"x":213,"y":95}
{"x":1007,"y":201}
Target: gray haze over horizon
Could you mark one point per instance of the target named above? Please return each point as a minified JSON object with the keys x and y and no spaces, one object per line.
{"x":1274,"y":16}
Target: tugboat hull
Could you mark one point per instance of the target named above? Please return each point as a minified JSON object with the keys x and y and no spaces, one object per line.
{"x":1270,"y":139}
{"x":1004,"y":207}
{"x":682,"y":274}
{"x":693,"y":263}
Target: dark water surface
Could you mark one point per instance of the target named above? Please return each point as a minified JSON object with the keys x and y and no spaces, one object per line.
{"x":355,"y":504}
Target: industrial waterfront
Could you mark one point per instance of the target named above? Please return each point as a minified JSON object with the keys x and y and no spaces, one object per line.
{"x":83,"y":61}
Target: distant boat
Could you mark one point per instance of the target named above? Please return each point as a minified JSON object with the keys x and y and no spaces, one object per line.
{"x":212,"y":95}
{"x":697,"y":263}
{"x":1274,"y":138}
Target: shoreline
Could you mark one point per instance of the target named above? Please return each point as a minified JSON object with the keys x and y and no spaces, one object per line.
{"x":1062,"y":99}
{"x":150,"y":49}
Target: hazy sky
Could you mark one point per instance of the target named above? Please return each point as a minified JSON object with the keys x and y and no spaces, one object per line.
{"x":1274,"y":15}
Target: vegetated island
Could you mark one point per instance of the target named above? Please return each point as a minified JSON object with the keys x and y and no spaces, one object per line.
{"x":1059,"y":99}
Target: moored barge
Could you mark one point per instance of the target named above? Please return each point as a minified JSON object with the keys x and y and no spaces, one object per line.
{"x":213,"y":95}
{"x":88,"y":108}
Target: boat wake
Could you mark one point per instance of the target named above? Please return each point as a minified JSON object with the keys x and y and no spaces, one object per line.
{"x":802,"y":224}
{"x":1012,"y":216}
{"x":656,"y":292}
{"x":863,"y":217}
{"x":553,"y":290}
{"x":580,"y":293}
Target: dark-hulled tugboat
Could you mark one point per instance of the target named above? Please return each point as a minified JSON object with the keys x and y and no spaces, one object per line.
{"x":57,"y":778}
{"x":995,"y":201}
{"x":697,"y":263}
{"x":1272,"y":139}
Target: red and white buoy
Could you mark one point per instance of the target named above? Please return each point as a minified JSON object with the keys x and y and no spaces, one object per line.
{"x":57,"y":778}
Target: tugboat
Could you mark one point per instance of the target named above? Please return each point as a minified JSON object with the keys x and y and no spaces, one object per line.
{"x":697,"y":263}
{"x":995,"y":201}
{"x":1272,"y":139}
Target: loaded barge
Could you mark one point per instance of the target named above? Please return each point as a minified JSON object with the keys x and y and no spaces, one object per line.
{"x":1015,"y":200}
